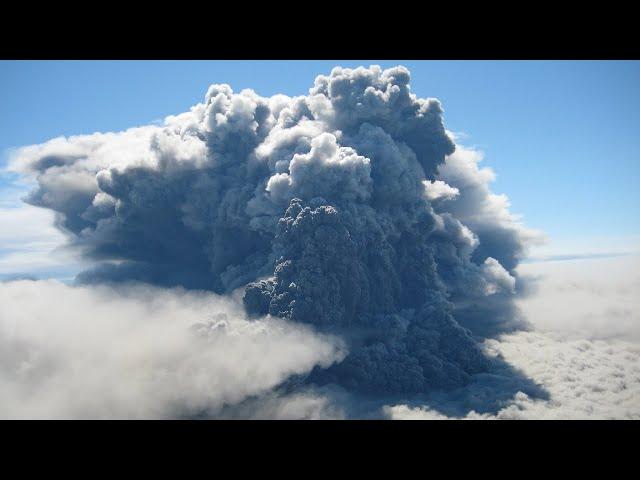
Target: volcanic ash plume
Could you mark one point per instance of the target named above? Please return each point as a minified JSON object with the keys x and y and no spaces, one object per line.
{"x":349,"y":209}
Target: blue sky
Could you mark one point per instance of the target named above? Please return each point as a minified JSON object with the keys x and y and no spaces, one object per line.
{"x":563,"y":137}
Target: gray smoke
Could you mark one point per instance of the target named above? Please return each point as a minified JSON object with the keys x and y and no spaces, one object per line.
{"x":349,"y":209}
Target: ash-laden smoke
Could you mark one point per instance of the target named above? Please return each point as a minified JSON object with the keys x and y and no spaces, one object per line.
{"x":349,"y":209}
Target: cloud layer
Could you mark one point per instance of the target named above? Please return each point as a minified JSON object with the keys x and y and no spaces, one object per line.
{"x":141,"y":352}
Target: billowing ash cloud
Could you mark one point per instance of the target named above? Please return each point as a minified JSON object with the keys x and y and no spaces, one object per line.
{"x":349,"y":209}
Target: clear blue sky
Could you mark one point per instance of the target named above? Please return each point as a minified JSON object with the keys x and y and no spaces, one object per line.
{"x":563,"y":137}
